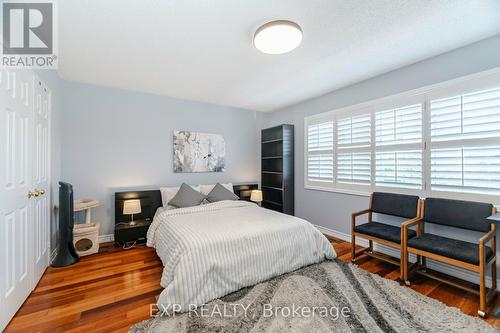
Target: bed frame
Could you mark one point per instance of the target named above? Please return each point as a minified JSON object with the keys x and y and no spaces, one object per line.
{"x":151,"y":201}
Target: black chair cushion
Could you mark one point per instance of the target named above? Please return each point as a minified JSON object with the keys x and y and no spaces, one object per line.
{"x":457,"y":213}
{"x":395,"y":204}
{"x":450,"y":248}
{"x":383,"y":231}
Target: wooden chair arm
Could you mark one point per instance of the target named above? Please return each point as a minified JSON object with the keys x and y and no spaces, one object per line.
{"x":409,"y":223}
{"x":490,"y":234}
{"x":361,"y":212}
{"x":404,"y":229}
{"x":353,"y":219}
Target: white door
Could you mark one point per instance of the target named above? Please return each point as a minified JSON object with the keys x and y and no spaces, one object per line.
{"x":18,"y":211}
{"x":40,"y":180}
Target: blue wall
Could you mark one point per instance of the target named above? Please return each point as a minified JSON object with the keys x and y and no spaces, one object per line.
{"x":118,"y":140}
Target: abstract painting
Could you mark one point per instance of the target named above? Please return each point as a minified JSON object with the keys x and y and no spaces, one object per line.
{"x":198,"y":152}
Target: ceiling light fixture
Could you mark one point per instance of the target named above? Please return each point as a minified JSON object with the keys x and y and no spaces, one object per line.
{"x":278,"y":37}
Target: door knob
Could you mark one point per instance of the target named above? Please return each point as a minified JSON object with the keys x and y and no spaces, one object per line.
{"x":34,"y":193}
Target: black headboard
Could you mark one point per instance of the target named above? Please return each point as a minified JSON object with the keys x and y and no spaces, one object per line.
{"x":151,"y":201}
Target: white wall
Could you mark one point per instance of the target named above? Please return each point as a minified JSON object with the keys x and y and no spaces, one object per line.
{"x":333,"y":210}
{"x":117,"y":140}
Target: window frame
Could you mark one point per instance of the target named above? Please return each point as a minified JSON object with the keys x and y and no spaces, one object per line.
{"x":475,"y":82}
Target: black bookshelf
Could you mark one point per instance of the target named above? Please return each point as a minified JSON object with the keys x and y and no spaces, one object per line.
{"x":277,"y":164}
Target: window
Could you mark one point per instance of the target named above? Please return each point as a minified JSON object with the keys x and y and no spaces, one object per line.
{"x":398,"y":155}
{"x":320,"y":137}
{"x":353,"y":153}
{"x":399,"y":169}
{"x":475,"y":115}
{"x":320,"y":167}
{"x":443,"y":140}
{"x":473,"y":170}
{"x":397,"y":126}
{"x":354,"y":131}
{"x":320,"y":152}
{"x":465,"y":143}
{"x":353,"y":168}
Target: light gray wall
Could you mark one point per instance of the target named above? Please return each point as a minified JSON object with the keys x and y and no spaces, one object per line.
{"x":120,"y":140}
{"x":332,"y":210}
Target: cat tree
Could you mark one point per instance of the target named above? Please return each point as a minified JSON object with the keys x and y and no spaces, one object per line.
{"x":86,"y":235}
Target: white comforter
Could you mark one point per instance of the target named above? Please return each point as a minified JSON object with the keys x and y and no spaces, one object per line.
{"x":211,"y":250}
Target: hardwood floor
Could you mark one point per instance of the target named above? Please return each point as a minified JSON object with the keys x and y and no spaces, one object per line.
{"x":112,"y":290}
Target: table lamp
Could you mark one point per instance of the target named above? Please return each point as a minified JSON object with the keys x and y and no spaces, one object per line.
{"x":256,"y":196}
{"x":131,"y":207}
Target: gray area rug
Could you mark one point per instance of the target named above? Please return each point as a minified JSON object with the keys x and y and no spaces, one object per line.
{"x":312,"y":299}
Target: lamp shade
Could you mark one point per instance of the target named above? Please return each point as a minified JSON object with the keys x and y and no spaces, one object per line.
{"x":131,"y":207}
{"x":256,"y":196}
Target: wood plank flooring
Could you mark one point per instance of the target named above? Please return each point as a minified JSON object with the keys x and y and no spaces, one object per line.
{"x":112,"y":290}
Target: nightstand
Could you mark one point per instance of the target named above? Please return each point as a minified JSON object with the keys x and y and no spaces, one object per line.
{"x":126,"y":233}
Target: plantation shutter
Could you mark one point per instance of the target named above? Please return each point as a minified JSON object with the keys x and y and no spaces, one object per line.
{"x":399,"y":169}
{"x":354,"y":131}
{"x":475,"y":115}
{"x":354,"y":167}
{"x":465,"y":135}
{"x":320,"y":152}
{"x":398,"y":155}
{"x":443,"y":141}
{"x":473,"y":170}
{"x":353,"y":155}
{"x":399,"y":126}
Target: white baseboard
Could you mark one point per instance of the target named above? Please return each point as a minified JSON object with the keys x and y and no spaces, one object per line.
{"x":106,"y":238}
{"x":432,"y":264}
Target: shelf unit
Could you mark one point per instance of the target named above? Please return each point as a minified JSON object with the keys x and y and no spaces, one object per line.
{"x":277,"y":164}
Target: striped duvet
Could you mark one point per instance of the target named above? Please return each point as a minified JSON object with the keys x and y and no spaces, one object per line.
{"x":211,"y":250}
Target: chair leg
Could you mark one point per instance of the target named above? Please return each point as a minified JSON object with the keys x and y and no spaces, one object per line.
{"x":494,"y":274}
{"x":402,"y":264}
{"x":353,"y":247}
{"x":406,"y":265}
{"x":482,"y":285}
{"x":403,"y":273}
{"x":424,"y":264}
{"x":370,"y":242}
{"x":494,"y":264}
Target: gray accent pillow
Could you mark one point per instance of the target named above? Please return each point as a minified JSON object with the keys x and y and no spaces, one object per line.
{"x":186,"y":197}
{"x":219,"y":193}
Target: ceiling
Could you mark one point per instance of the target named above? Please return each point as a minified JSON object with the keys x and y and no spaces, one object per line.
{"x":203,"y":49}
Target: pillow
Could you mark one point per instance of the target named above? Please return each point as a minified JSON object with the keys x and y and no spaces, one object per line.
{"x":219,"y":193}
{"x":186,"y":197}
{"x":167,"y":194}
{"x":205,"y":189}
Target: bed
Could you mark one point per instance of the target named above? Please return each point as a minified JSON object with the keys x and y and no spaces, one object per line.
{"x":211,"y":250}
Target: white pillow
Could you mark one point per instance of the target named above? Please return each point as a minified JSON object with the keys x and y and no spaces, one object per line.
{"x":205,"y":189}
{"x":168,"y":193}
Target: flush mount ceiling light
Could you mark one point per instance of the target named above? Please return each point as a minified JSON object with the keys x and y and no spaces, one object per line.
{"x":278,"y":37}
